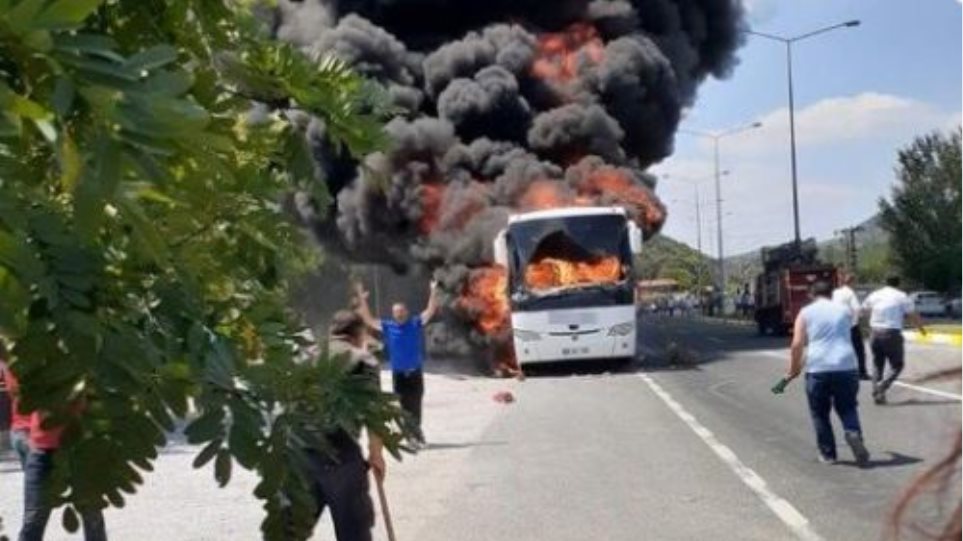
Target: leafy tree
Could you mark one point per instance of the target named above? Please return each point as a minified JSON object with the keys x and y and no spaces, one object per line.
{"x":923,"y":213}
{"x":873,"y":263}
{"x":144,"y":258}
{"x":663,"y":257}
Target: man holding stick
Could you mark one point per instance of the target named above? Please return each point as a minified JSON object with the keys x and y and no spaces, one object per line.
{"x":338,"y":477}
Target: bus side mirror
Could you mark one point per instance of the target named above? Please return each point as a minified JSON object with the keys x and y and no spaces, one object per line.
{"x":500,"y":249}
{"x":635,"y":238}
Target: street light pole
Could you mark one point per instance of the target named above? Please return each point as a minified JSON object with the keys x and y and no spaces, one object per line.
{"x":722,"y":263}
{"x":716,"y":137}
{"x":792,"y":147}
{"x":792,"y":109}
{"x":698,"y":218}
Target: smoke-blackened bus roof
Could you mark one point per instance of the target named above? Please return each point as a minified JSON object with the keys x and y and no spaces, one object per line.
{"x":566,"y":212}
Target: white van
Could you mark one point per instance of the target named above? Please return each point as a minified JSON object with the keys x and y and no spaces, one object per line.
{"x":928,"y":303}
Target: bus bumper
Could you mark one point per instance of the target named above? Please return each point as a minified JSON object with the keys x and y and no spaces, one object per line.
{"x":564,"y":348}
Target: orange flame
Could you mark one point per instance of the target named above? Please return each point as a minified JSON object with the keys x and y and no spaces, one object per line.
{"x":431,"y":198}
{"x":552,"y":272}
{"x":615,"y":186}
{"x":467,"y":207}
{"x":437,"y":212}
{"x":486,"y":298}
{"x":544,"y":194}
{"x":559,"y":54}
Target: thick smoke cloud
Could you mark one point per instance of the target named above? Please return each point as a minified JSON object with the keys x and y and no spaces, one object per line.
{"x":504,"y":105}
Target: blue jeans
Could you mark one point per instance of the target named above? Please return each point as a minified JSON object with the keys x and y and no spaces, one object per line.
{"x":36,"y":507}
{"x":20,"y":441}
{"x":827,"y":391}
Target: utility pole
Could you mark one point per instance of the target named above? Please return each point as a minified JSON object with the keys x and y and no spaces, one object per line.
{"x":701,"y":268}
{"x":715,"y":137}
{"x":722,"y":263}
{"x":698,"y":207}
{"x":849,"y":240}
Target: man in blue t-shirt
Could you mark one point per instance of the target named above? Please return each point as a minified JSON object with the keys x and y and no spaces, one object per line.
{"x":403,"y":336}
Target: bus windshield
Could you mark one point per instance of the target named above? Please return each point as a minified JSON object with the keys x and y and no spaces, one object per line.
{"x":554,"y":255}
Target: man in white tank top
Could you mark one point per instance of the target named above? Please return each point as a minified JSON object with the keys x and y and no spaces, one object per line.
{"x":822,"y":346}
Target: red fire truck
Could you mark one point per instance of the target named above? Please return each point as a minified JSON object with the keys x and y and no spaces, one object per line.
{"x":782,"y":289}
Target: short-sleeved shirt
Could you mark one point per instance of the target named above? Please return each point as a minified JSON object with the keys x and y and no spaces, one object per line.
{"x":845,"y":296}
{"x":404,"y":343}
{"x":888,"y":307}
{"x":829,"y":347}
{"x":18,"y":421}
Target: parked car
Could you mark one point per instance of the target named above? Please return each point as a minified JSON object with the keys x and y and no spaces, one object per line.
{"x":953,"y":307}
{"x":928,"y":303}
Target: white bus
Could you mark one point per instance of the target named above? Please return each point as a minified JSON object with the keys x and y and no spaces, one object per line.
{"x":571,"y":283}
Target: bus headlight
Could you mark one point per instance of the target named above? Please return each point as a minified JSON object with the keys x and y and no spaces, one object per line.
{"x":527,"y":336}
{"x":622,"y":329}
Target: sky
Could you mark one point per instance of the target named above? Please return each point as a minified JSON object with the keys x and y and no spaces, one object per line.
{"x":861,"y":94}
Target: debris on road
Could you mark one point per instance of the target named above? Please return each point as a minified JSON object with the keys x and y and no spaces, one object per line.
{"x":503,"y":397}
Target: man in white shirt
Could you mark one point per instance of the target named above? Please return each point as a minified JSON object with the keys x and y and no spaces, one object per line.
{"x":888,"y":307}
{"x":845,"y":296}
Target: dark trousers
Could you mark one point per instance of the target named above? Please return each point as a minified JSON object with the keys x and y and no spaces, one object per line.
{"x":410,"y":388}
{"x":342,"y":488}
{"x":886,"y":345}
{"x":36,"y":507}
{"x":827,"y":391}
{"x":856,"y":335}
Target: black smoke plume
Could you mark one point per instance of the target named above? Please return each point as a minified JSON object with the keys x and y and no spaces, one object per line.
{"x":498,"y":98}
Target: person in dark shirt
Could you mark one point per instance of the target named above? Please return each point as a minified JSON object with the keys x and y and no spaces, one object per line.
{"x":339,"y":475}
{"x":404,"y":338}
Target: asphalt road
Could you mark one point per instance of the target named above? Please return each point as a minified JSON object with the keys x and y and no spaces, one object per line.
{"x":688,"y":444}
{"x":694,"y":449}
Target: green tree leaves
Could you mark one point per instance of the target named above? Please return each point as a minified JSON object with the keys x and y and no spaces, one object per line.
{"x":143,"y":253}
{"x":923,"y":213}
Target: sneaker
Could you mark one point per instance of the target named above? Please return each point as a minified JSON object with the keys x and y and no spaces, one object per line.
{"x":879,"y":396}
{"x":855,"y":441}
{"x":823,"y":459}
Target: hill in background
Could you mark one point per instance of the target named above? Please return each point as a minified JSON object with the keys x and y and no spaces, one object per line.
{"x":664,"y":257}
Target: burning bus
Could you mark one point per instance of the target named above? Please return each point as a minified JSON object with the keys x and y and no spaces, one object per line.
{"x":570,"y":283}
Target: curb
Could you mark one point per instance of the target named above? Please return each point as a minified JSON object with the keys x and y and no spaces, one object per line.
{"x":933,"y":338}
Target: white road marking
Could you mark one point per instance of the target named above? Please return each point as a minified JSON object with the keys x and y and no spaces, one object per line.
{"x":784,"y":510}
{"x":784,"y":355}
{"x":929,"y":391}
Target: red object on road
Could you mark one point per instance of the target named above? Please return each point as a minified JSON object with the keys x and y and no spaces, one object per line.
{"x":503,"y":397}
